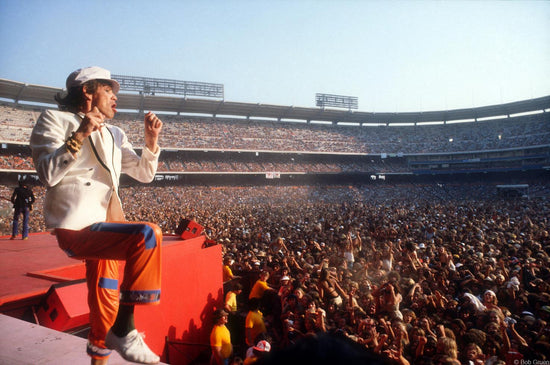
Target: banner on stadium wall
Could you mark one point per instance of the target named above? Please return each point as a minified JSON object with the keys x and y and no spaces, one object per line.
{"x":272,"y":175}
{"x":166,"y":177}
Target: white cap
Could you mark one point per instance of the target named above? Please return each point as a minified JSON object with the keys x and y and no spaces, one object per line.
{"x":262,"y":346}
{"x":82,"y":75}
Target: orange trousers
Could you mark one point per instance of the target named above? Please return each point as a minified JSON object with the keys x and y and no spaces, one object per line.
{"x":102,"y":245}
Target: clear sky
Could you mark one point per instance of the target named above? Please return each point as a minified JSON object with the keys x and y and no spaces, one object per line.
{"x":395,"y":56}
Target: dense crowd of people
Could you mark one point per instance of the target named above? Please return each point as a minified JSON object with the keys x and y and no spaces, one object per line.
{"x":276,"y":136}
{"x":420,"y":281}
{"x":177,"y":162}
{"x":181,"y":162}
{"x":417,"y":273}
{"x":235,"y":134}
{"x":382,"y":144}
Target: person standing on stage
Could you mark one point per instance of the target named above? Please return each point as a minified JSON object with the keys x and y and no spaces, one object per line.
{"x":22,"y":199}
{"x":79,"y":157}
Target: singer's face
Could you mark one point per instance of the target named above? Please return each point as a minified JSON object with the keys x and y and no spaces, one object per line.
{"x":104,"y":98}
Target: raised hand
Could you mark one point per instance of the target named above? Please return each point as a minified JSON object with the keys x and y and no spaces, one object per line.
{"x":153,"y":126}
{"x":92,"y":121}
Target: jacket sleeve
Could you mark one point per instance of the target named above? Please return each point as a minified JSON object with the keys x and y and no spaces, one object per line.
{"x":51,"y":158}
{"x":142,"y":168}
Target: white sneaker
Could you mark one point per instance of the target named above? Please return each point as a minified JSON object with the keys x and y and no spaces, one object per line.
{"x":131,"y":347}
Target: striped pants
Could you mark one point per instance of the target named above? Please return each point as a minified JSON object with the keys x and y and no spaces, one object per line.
{"x":103,"y":245}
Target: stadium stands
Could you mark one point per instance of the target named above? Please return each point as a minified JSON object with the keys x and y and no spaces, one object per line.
{"x":436,"y":244}
{"x":225,"y":134}
{"x":495,"y":145}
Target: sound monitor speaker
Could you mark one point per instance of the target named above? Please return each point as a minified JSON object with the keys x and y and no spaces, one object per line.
{"x":188,"y":229}
{"x":65,"y":306}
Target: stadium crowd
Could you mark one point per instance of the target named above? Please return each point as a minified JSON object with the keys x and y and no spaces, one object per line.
{"x":262,"y":136}
{"x":273,"y":136}
{"x":177,"y":162}
{"x":227,"y":134}
{"x":422,"y":274}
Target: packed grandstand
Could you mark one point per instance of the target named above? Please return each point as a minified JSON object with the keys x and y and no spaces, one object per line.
{"x":451,"y":219}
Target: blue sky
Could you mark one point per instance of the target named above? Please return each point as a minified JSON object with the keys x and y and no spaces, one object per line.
{"x":395,"y":56}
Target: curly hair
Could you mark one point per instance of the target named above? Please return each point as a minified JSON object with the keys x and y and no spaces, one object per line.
{"x":72,"y":99}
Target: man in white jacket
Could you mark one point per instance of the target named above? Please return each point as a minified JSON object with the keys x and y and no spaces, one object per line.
{"x":79,"y":158}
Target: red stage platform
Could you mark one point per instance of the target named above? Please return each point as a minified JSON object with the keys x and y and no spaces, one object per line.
{"x":28,"y":269}
{"x":178,"y":328}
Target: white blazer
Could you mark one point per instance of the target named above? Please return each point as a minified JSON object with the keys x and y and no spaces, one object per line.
{"x":83,"y":190}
